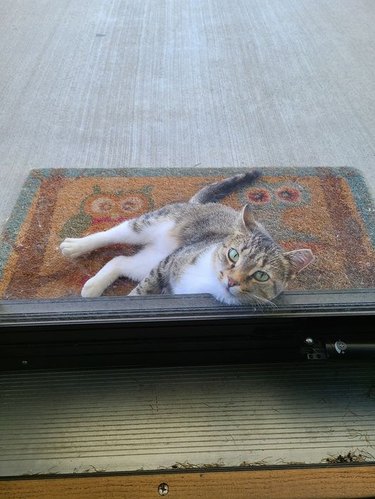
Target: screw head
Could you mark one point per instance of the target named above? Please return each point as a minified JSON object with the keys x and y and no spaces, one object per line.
{"x":340,"y":346}
{"x":163,"y":489}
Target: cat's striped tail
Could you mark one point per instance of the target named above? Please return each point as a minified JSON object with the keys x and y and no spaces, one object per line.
{"x":213,"y":193}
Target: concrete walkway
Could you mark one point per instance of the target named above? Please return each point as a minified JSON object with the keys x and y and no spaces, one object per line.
{"x":140,"y":83}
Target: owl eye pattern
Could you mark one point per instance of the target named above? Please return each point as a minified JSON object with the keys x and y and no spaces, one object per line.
{"x":263,"y":195}
{"x":132,"y":203}
{"x":289,"y":194}
{"x":102,"y":205}
{"x":112,"y":205}
{"x":259,"y":196}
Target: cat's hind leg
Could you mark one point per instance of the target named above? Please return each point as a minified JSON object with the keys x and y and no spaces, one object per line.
{"x":152,"y":284}
{"x":133,"y":231}
{"x":136,"y":267}
{"x":106,"y":276}
{"x":122,"y":233}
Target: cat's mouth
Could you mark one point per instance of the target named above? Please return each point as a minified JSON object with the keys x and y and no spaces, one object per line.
{"x":231,"y":282}
{"x":232,"y":286}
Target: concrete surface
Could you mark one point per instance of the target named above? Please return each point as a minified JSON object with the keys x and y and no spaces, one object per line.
{"x":117,"y":83}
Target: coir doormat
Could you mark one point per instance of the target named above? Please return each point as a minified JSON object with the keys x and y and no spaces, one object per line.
{"x":326,"y":209}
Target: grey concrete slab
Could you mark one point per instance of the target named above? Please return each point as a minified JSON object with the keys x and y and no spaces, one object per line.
{"x":142,"y":83}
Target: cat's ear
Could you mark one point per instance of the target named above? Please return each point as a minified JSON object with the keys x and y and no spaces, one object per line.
{"x":300,"y":259}
{"x":248,"y":219}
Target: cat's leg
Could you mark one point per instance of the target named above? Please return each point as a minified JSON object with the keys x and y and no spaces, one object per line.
{"x":150,"y":285}
{"x":138,"y":231}
{"x":122,"y":233}
{"x":136,"y":267}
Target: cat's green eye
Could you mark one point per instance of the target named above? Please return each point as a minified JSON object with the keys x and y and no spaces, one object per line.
{"x":260,"y":276}
{"x":233,"y":255}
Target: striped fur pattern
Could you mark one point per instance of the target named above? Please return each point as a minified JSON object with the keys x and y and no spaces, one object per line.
{"x":197,"y":247}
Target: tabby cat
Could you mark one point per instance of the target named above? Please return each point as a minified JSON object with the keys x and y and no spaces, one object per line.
{"x":199,"y":246}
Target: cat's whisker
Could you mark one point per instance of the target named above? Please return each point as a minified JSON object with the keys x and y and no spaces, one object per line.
{"x":263,"y":303}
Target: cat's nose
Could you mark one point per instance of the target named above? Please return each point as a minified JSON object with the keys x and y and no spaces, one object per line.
{"x":231,"y":282}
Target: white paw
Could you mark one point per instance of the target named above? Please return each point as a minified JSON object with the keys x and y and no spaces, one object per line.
{"x":73,"y":247}
{"x":92,"y":289}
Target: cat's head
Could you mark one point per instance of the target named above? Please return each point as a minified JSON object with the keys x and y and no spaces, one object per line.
{"x":252,"y":266}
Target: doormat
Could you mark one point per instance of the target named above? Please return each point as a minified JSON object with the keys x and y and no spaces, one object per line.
{"x":328,"y":210}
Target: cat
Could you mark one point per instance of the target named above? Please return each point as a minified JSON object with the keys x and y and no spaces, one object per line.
{"x":199,"y":246}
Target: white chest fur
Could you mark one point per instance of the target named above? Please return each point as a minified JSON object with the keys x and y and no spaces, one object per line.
{"x":202,"y":277}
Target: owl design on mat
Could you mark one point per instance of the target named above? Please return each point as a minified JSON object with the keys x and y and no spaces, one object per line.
{"x":101,"y":209}
{"x":270,"y":201}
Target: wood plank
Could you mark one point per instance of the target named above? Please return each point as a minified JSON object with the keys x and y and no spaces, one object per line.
{"x":345,"y":481}
{"x":257,"y":414}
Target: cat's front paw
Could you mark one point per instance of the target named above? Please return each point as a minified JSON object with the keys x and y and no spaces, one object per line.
{"x":92,"y":289}
{"x":73,"y":247}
